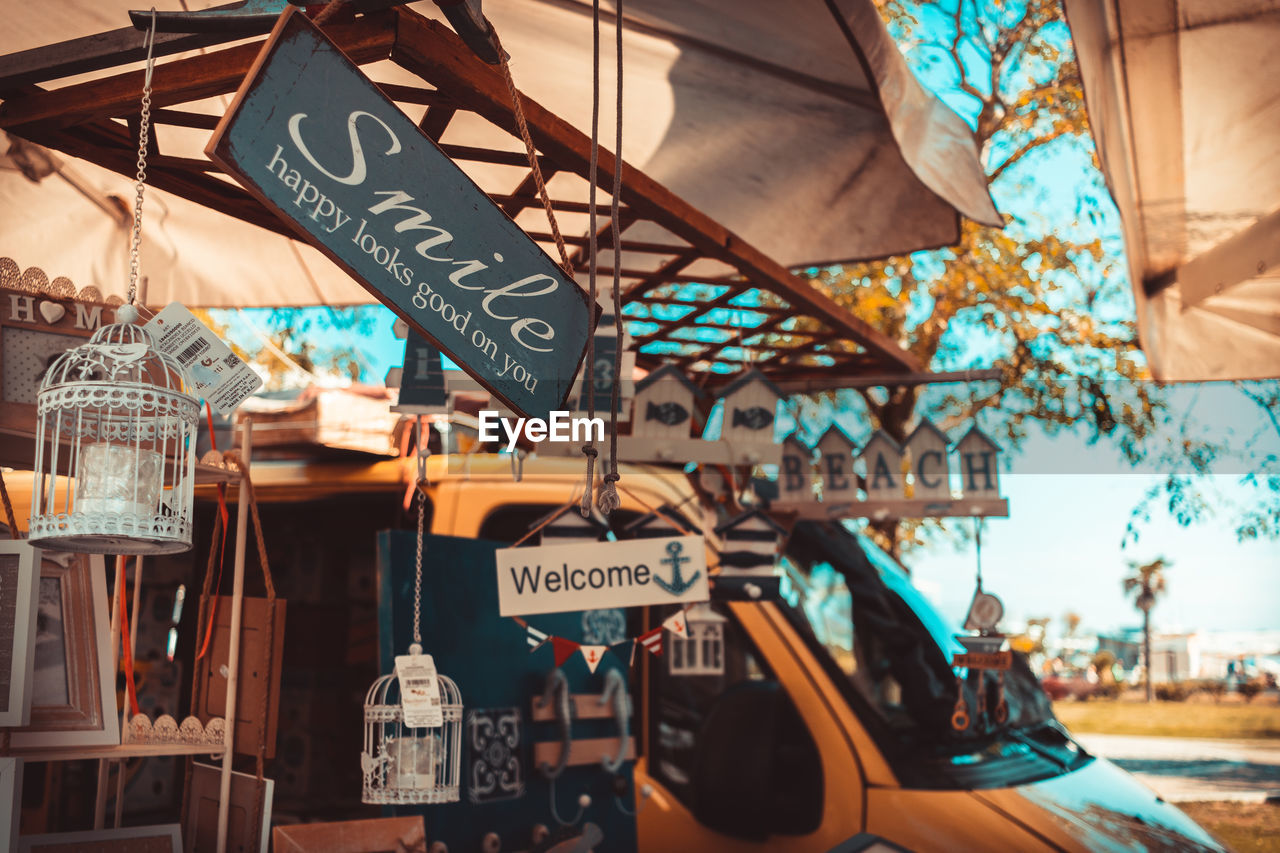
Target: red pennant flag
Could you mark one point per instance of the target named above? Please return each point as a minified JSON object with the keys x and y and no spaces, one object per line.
{"x":593,"y":655}
{"x":652,"y":640}
{"x":563,"y":649}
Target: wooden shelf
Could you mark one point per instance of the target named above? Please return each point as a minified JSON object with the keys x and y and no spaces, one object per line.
{"x":112,"y":751}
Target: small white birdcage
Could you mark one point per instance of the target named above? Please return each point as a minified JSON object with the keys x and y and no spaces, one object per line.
{"x":405,"y":765}
{"x":115,"y":447}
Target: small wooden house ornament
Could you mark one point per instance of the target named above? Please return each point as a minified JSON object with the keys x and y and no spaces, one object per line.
{"x":749,"y":544}
{"x":835,"y":463}
{"x":701,"y":651}
{"x":795,"y":472}
{"x":750,"y":407}
{"x":664,"y":404}
{"x":979,"y":458}
{"x":926,"y":448}
{"x":659,"y":524}
{"x":570,"y":528}
{"x":883,"y":460}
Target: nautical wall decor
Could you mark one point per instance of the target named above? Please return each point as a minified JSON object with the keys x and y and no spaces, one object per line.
{"x":666,"y":409}
{"x":666,"y":405}
{"x":795,"y":472}
{"x":749,"y":545}
{"x":420,"y":379}
{"x":701,"y":650}
{"x":913,"y":480}
{"x":561,"y":578}
{"x":835,"y":449}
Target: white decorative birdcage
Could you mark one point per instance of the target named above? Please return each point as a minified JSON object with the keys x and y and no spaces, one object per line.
{"x":405,"y":765}
{"x":115,"y":447}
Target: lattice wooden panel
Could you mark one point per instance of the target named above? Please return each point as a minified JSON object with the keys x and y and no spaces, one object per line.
{"x":693,"y":293}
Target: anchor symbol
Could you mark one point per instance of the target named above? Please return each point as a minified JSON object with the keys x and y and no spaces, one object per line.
{"x":678,"y":584}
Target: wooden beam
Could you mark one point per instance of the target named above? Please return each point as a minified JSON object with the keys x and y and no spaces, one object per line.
{"x":176,"y":82}
{"x":440,"y":57}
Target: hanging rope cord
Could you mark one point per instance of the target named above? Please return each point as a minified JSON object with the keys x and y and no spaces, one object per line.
{"x":609,"y":500}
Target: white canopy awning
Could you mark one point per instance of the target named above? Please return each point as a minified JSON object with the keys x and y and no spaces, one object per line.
{"x":796,"y":126}
{"x":1184,"y":101}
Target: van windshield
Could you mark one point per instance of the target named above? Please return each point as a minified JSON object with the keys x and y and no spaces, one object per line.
{"x":890,"y":651}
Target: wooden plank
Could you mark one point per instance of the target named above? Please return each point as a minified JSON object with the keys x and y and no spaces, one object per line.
{"x":984,"y":660}
{"x":585,"y":751}
{"x":111,"y":751}
{"x":584,"y":706}
{"x":441,"y":58}
{"x":884,"y":510}
{"x":177,"y":82}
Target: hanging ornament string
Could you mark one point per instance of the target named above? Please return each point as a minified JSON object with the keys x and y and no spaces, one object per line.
{"x":417,"y":574}
{"x":144,"y":139}
{"x":593,"y":180}
{"x":609,"y":500}
{"x":535,"y":169}
{"x":977,"y":538}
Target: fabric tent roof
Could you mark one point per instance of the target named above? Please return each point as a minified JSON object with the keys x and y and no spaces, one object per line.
{"x":812,"y":141}
{"x":1182,"y":97}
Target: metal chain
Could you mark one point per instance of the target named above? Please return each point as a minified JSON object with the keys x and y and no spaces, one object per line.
{"x":144,"y":138}
{"x":417,"y":578}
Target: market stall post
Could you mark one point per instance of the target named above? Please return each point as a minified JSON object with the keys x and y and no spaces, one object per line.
{"x":233,"y":654}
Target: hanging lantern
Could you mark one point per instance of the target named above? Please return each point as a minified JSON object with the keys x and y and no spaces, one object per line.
{"x":402,"y":764}
{"x":115,"y":447}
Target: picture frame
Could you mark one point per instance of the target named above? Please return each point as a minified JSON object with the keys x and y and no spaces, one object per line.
{"x":163,"y":838}
{"x":19,"y":594}
{"x":73,"y":697}
{"x":10,"y":801}
{"x":245,"y":831}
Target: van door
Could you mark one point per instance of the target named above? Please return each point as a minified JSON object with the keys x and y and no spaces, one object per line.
{"x":523,"y":787}
{"x":747,"y":755}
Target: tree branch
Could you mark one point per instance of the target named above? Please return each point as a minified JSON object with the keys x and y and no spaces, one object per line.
{"x":1025,"y":150}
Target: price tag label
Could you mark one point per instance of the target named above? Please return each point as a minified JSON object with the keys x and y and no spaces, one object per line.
{"x":419,"y":691}
{"x":217,"y":374}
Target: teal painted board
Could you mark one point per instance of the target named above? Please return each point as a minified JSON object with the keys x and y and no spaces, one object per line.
{"x":488,"y":657}
{"x":324,"y":150}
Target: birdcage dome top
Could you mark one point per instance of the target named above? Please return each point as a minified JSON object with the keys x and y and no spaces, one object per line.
{"x":385,"y":692}
{"x":119,"y":354}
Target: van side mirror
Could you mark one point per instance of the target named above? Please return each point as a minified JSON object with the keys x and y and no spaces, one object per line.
{"x":757,"y":770}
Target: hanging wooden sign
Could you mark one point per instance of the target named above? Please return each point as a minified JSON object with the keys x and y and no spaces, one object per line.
{"x":891,"y":492}
{"x":323,"y":148}
{"x":561,"y":578}
{"x":421,"y":379}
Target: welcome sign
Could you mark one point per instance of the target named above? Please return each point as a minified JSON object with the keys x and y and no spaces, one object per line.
{"x":321,"y":147}
{"x":590,"y":576}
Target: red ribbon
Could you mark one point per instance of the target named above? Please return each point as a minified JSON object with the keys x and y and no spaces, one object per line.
{"x":127,"y":656}
{"x":222,"y":546}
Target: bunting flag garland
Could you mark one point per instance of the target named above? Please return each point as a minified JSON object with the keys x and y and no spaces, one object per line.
{"x":677,"y":624}
{"x":592,"y":655}
{"x":652,"y":640}
{"x":536,"y":638}
{"x":563,"y":649}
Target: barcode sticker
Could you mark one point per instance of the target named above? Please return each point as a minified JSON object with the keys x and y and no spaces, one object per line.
{"x":419,"y":691}
{"x":216,"y":373}
{"x":196,"y":347}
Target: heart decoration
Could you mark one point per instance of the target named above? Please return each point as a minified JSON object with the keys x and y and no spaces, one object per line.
{"x":52,"y":312}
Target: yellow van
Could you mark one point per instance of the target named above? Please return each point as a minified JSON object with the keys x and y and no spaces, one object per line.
{"x":830,"y":720}
{"x":833,"y":714}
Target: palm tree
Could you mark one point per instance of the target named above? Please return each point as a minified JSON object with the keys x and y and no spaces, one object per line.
{"x":1148,"y":582}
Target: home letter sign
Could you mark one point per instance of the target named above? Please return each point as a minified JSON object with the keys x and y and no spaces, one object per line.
{"x":315,"y":140}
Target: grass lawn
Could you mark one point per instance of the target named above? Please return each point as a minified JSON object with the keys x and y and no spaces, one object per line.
{"x":1244,"y":827}
{"x":1172,"y":719}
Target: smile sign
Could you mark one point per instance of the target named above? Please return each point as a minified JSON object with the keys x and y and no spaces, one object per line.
{"x":560,"y":578}
{"x":323,"y":149}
